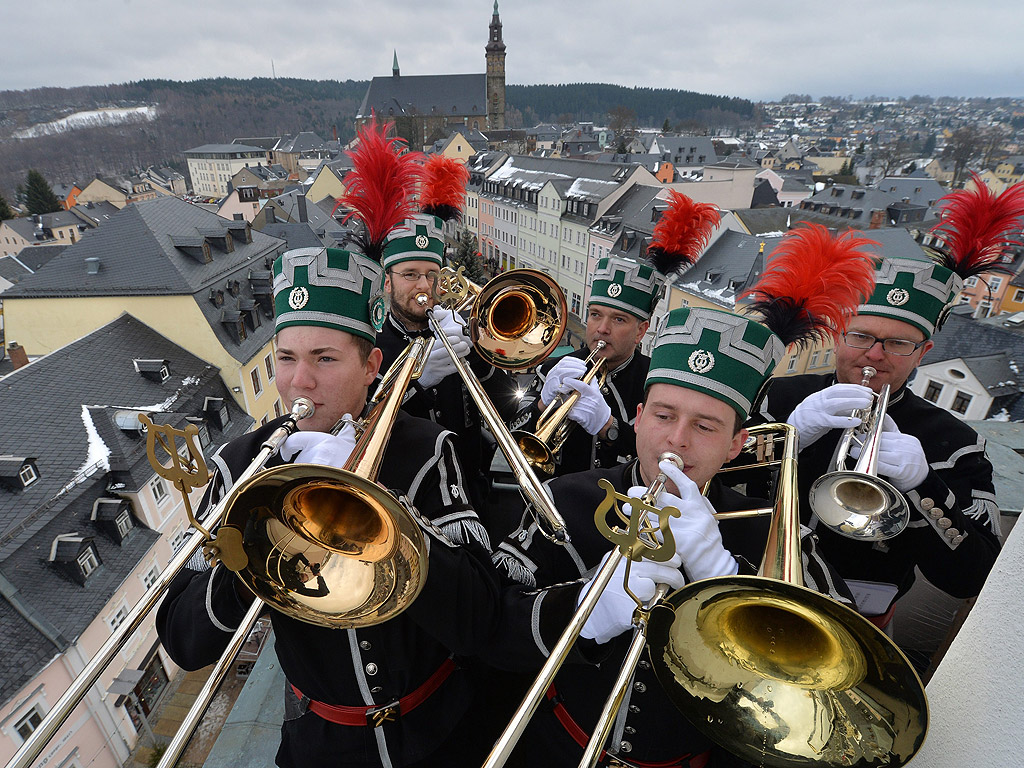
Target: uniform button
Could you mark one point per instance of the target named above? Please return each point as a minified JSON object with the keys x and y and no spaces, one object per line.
{"x":935,"y":512}
{"x":365,"y":645}
{"x":927,"y":504}
{"x":958,"y":539}
{"x":625,"y":747}
{"x":952,"y":533}
{"x":605,"y":390}
{"x":371,"y":668}
{"x":644,"y":664}
{"x":639,"y":687}
{"x":629,"y":730}
{"x":634,"y":709}
{"x":944,"y":522}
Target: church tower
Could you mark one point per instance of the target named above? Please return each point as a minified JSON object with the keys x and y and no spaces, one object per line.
{"x":495,"y":74}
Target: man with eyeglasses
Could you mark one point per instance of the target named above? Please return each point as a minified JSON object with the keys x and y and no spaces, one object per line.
{"x":412,"y":260}
{"x":933,"y":458}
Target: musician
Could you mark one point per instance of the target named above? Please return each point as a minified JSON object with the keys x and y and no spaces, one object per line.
{"x":329,"y":306}
{"x":622,"y":298}
{"x":933,"y":458}
{"x":413,"y":257}
{"x":706,"y":369}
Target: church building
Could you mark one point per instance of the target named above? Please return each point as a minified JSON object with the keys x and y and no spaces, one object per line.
{"x":424,"y":108}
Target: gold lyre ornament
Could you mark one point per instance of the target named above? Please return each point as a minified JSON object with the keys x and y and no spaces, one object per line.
{"x":186,"y":472}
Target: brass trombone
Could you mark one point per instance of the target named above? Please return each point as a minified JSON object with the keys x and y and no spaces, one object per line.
{"x":856,"y":502}
{"x":540,"y":447}
{"x":516,"y":321}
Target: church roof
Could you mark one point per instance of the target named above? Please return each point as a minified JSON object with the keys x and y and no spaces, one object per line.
{"x":404,"y":95}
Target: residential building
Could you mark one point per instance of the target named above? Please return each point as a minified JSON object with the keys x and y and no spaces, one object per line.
{"x":861,"y":204}
{"x":117,"y":191}
{"x":67,"y":194}
{"x":974,"y":387}
{"x":20,"y":233}
{"x":201,"y":281}
{"x":87,"y":526}
{"x":212,"y":166}
{"x":301,"y":153}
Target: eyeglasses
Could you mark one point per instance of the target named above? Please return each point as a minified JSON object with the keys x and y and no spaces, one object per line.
{"x":414,"y":277}
{"x":902,"y":347}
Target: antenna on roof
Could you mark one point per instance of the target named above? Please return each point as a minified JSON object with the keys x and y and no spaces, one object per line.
{"x":273,"y":72}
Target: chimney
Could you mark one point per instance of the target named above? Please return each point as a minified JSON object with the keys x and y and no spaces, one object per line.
{"x":877,"y":219}
{"x":271,"y":217}
{"x":92,"y":265}
{"x":334,"y":132}
{"x":303,"y":215}
{"x":17,"y":354}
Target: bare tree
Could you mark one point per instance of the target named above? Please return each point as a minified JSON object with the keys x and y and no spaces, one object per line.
{"x":966,"y":144}
{"x":893,"y":156}
{"x":622,"y":120}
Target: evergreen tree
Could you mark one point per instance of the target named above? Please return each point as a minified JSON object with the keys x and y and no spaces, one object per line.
{"x":5,"y":209}
{"x":666,"y":126}
{"x":39,"y":197}
{"x":621,"y":147}
{"x":466,"y":255}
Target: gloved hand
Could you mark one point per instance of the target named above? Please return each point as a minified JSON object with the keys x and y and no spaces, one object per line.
{"x":566,"y":368}
{"x":698,"y":540}
{"x":613,"y":613}
{"x":591,"y":411}
{"x":321,"y":447}
{"x":454,"y":327}
{"x":901,"y":457}
{"x":438,"y":366}
{"x":829,"y":409}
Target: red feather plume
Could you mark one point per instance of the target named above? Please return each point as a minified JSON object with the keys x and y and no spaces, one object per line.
{"x":977,"y":226}
{"x":443,"y":193}
{"x":814,"y":283}
{"x":379,"y":188}
{"x":681,"y":233}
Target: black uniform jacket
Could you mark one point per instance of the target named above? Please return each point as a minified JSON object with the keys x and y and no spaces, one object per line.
{"x":453,"y":615}
{"x":954,"y":525}
{"x":649,"y":727}
{"x":449,"y":403}
{"x":623,"y":391}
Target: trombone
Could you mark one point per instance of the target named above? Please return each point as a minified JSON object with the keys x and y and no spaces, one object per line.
{"x":540,"y":447}
{"x":857,"y":503}
{"x":516,"y":321}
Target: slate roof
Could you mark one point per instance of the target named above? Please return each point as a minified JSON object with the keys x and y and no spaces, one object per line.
{"x":96,"y":212}
{"x":37,"y":256}
{"x":1004,"y":447}
{"x":686,"y":150}
{"x":593,"y":180}
{"x":25,"y":227}
{"x":317,"y":219}
{"x":223,"y":149}
{"x":962,"y":336}
{"x":295,"y":234}
{"x":139,"y":257}
{"x":304,"y":141}
{"x":47,"y":412}
{"x":426,"y":95}
{"x":919,"y":191}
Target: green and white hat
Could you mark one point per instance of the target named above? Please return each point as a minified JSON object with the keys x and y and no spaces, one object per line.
{"x":627,"y":285}
{"x":329,"y":287}
{"x":915,"y":291}
{"x":418,"y":238}
{"x":727,"y":356}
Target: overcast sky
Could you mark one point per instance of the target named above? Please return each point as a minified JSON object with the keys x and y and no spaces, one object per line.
{"x":750,"y":48}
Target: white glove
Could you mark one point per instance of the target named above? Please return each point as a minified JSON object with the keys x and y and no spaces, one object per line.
{"x":566,"y":368}
{"x":321,"y":447}
{"x":454,"y":327}
{"x":613,"y":613}
{"x":698,"y":540}
{"x":591,"y":411}
{"x":901,"y":457}
{"x":438,"y":366}
{"x":829,"y":409}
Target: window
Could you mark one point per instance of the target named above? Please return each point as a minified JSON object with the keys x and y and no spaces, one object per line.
{"x":792,"y":364}
{"x":277,"y":408}
{"x":932,"y":391}
{"x":124,"y":523}
{"x":28,"y":723}
{"x":178,"y":538}
{"x":827,"y":359}
{"x":159,"y":489}
{"x":28,"y":475}
{"x":88,"y":561}
{"x":814,"y":359}
{"x":149,"y":577}
{"x":576,"y":303}
{"x":257,"y":385}
{"x":970,"y":282}
{"x":961,"y":401}
{"x":268,"y":362}
{"x":1018,"y":295}
{"x":995,"y":283}
{"x":116,"y":619}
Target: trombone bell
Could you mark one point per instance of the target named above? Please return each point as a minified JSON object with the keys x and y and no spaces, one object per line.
{"x":517,"y":319}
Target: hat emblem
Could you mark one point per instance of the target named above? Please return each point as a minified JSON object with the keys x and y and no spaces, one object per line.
{"x":422,"y":242}
{"x":614,"y":290}
{"x":701,"y":361}
{"x":298,"y":297}
{"x":897,"y":297}
{"x":377,"y":312}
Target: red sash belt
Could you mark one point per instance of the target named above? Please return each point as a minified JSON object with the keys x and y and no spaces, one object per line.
{"x":882,"y":620}
{"x":581,"y":737}
{"x":375,"y":717}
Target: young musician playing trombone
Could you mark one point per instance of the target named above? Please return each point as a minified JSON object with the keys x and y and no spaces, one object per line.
{"x":707,"y":369}
{"x":935,"y":460}
{"x":388,"y":694}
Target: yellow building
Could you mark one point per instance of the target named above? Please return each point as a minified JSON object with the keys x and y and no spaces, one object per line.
{"x":203,"y":282}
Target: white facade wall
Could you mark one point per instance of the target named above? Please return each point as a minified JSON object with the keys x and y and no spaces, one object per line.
{"x":957,"y":383}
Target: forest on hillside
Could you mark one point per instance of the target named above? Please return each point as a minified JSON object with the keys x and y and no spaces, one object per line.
{"x":217,"y":110}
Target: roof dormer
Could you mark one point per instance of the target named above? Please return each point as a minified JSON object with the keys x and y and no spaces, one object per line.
{"x":194,"y":246}
{"x":17,"y":472}
{"x":152,"y":369}
{"x":75,"y":556}
{"x":114,"y":518}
